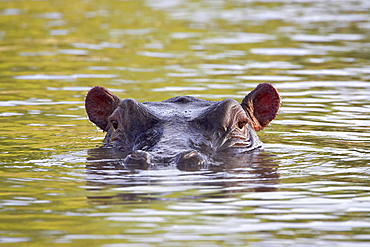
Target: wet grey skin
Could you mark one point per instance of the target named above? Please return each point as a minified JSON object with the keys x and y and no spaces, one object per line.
{"x":185,"y":131}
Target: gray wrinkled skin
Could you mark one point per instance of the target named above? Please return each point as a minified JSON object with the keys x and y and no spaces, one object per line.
{"x":185,"y":131}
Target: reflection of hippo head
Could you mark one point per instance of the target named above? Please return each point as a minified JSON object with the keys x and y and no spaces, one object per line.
{"x":183,"y":130}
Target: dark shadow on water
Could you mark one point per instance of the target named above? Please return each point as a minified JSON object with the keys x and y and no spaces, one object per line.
{"x":112,"y":183}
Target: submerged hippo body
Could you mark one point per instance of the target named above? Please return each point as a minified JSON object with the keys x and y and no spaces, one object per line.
{"x":184,"y":130}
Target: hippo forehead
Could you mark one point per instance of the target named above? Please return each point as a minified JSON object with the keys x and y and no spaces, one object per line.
{"x":182,"y":107}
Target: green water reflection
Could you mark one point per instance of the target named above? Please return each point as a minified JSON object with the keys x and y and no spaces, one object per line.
{"x":309,"y":186}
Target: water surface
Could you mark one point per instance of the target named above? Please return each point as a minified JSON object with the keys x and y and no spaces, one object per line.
{"x":308,"y":186}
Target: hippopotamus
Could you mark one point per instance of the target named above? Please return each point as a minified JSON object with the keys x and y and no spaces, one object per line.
{"x":185,"y":131}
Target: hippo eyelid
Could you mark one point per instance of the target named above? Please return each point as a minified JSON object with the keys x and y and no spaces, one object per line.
{"x":241,"y":124}
{"x":114,"y":123}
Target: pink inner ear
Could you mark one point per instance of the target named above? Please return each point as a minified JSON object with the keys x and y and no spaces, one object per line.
{"x":266,"y":105}
{"x":100,"y":104}
{"x":262,"y":104}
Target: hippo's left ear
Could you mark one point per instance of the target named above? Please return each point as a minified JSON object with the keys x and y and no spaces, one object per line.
{"x":262,"y":105}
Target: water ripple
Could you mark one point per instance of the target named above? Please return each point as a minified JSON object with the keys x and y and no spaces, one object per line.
{"x":62,"y":77}
{"x":100,"y":46}
{"x":11,"y":11}
{"x":239,"y":38}
{"x":303,"y":85}
{"x":269,"y":78}
{"x":285,"y":51}
{"x":160,"y":54}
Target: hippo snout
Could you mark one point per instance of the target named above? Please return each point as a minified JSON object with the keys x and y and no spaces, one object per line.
{"x":187,"y":160}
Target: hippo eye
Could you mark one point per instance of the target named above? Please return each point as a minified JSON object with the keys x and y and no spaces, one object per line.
{"x":114,"y":124}
{"x":241,"y":124}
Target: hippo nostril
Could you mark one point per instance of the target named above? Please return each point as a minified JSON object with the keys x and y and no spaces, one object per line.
{"x":189,"y":161}
{"x":138,"y":160}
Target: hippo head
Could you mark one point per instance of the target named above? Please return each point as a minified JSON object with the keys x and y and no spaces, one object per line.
{"x":184,"y":130}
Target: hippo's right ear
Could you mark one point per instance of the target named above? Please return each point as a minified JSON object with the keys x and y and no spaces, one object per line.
{"x":262,"y":105}
{"x":99,"y":105}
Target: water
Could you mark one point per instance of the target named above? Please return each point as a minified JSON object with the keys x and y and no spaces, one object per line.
{"x":308,"y":186}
